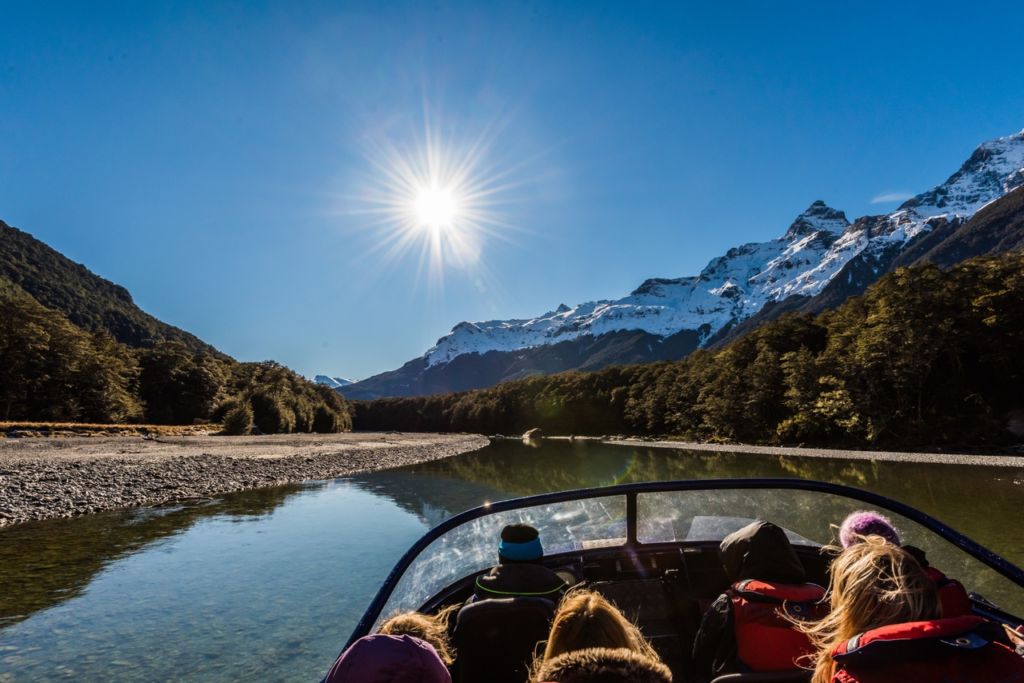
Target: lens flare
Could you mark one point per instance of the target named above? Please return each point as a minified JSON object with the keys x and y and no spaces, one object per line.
{"x":436,"y":197}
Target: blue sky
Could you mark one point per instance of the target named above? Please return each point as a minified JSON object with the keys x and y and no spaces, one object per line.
{"x":211,"y":157}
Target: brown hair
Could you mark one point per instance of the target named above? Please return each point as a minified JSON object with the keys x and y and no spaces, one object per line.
{"x":585,"y":619}
{"x":874,"y":584}
{"x":430,"y":628}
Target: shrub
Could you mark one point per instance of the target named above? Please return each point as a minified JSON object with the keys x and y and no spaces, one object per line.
{"x":271,"y":414}
{"x":327,"y":421}
{"x":239,"y":420}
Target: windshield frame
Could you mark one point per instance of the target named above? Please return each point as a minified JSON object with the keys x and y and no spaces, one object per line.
{"x":631,"y":491}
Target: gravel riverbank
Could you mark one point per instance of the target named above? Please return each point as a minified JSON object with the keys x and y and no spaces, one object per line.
{"x":835,"y":454}
{"x":42,"y":477}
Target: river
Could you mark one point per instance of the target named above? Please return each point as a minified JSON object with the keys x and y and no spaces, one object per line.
{"x":268,"y":584}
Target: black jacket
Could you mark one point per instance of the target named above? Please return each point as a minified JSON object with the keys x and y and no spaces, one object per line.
{"x":760,"y":551}
{"x":520,"y":579}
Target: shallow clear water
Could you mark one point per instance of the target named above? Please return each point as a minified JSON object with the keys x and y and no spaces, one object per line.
{"x":268,"y":584}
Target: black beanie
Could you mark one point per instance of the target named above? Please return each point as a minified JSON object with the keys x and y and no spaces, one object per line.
{"x":520,"y":543}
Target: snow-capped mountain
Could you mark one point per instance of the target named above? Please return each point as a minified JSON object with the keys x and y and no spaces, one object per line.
{"x":731,"y":287}
{"x":332,"y":382}
{"x":818,"y":245}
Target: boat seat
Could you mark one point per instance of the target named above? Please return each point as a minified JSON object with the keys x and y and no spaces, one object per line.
{"x":797,"y":676}
{"x":668,"y":620}
{"x":495,"y":639}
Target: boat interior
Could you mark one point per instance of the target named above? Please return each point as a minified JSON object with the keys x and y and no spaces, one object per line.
{"x":663,"y":587}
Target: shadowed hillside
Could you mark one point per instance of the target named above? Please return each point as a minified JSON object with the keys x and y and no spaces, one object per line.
{"x":87,"y":300}
{"x":74,"y":348}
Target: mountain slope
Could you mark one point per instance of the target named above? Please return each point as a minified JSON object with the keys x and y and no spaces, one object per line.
{"x":475,"y":370}
{"x":998,"y":228}
{"x":821,"y":259}
{"x":332,"y":382}
{"x":75,"y":348}
{"x":88,"y":300}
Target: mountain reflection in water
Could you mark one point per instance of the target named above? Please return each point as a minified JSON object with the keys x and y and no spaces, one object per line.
{"x":269,"y":583}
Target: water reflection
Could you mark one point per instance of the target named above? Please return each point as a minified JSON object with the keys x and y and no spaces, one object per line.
{"x":45,"y":563}
{"x":981,"y":502}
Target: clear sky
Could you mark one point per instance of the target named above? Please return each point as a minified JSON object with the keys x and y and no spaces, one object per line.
{"x":214,"y":157}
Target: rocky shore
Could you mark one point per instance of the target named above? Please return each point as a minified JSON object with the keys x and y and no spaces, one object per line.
{"x":43,"y":478}
{"x":992,"y":460}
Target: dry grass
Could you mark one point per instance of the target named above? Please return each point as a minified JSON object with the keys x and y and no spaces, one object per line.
{"x":63,"y":429}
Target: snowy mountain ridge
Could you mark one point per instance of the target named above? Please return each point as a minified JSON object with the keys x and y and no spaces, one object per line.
{"x":332,"y":382}
{"x":732,"y":287}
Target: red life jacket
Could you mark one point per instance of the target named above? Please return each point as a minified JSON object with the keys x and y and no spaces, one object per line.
{"x":954,"y":650}
{"x":952,"y":594}
{"x":765,"y":639}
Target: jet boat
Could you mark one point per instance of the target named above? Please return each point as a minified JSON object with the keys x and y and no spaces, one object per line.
{"x":653,"y":550}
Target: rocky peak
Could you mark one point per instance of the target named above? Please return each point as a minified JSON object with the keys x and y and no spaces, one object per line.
{"x":332,"y":382}
{"x":995,"y":168}
{"x":655,"y":284}
{"x":818,"y":217}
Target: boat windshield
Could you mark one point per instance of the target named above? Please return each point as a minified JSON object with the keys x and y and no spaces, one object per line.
{"x":671,"y":517}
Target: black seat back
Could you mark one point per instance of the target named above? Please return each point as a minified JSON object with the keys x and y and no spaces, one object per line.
{"x":495,"y":639}
{"x":768,"y":677}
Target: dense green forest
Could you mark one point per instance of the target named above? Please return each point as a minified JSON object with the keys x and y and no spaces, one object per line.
{"x":56,"y":371}
{"x":926,"y":357}
{"x":75,"y":348}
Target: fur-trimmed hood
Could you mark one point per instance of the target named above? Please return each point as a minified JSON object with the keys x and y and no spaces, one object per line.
{"x":603,"y":665}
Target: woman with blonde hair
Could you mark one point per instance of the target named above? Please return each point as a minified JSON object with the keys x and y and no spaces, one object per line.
{"x":585,"y":619}
{"x":874,"y":583}
{"x":886,"y":626}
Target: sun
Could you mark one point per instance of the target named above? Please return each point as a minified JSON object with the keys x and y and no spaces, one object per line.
{"x":436,"y":208}
{"x":440,"y":200}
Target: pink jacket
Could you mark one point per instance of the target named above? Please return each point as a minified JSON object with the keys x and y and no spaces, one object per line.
{"x":389,"y":659}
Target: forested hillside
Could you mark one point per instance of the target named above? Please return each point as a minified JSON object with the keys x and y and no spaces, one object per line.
{"x":925,"y":358}
{"x":75,"y":348}
{"x":89,"y":301}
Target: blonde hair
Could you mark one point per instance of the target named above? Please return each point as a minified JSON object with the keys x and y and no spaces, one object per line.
{"x":432,"y":629}
{"x":874,"y":584}
{"x":585,"y":619}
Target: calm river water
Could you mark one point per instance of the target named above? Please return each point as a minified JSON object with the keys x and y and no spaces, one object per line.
{"x":267,"y":585}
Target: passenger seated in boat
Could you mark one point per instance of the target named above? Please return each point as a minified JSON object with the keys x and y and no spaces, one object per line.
{"x":389,"y":659}
{"x":430,"y":628}
{"x":585,"y":620}
{"x":519,"y":572}
{"x":953,"y":596}
{"x":603,"y":665}
{"x":885,"y":626}
{"x":751,"y":627}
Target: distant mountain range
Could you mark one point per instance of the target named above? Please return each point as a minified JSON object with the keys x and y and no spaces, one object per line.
{"x":332,"y":382}
{"x":822,"y":259}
